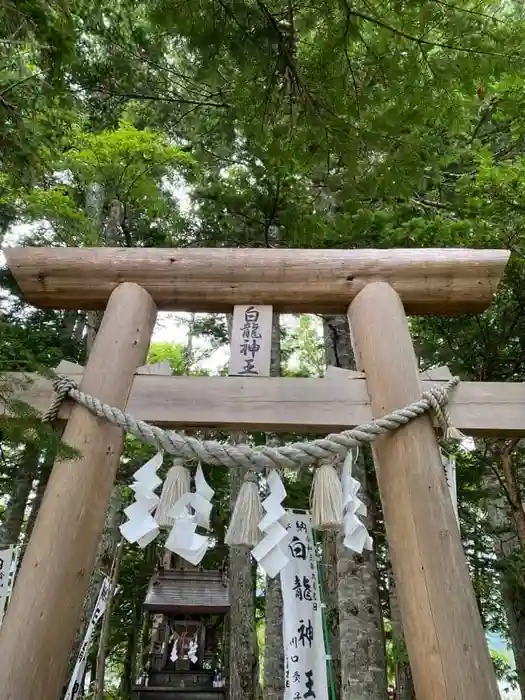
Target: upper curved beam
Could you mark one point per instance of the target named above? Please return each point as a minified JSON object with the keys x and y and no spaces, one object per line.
{"x":428,"y":280}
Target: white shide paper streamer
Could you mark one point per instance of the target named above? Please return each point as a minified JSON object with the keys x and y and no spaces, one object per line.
{"x":201,"y":500}
{"x":183,"y":538}
{"x":268,"y":553}
{"x":356,"y":537}
{"x":141,"y":527}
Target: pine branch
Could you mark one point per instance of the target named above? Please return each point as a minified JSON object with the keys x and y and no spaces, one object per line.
{"x":157,"y":98}
{"x":420,"y":40}
{"x":466,"y":11}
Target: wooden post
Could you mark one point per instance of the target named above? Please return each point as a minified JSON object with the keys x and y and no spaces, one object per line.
{"x":43,"y":615}
{"x":445,"y":640}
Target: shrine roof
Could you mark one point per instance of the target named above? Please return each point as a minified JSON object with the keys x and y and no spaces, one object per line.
{"x":188,"y":591}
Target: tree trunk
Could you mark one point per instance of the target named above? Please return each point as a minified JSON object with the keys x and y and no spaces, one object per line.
{"x":514,"y":599}
{"x":69,"y":321}
{"x":513,"y":491}
{"x":244,"y":659}
{"x":404,"y":685}
{"x":94,"y":205}
{"x":273,"y":644}
{"x":13,"y":519}
{"x":361,"y":637}
{"x":105,"y":556}
{"x":502,"y":516}
{"x":330,"y":583}
{"x":44,"y":473}
{"x":129,"y":665}
{"x":106,"y":626}
{"x":144,"y":642}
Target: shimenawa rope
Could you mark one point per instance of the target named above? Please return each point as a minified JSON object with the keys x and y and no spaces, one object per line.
{"x":292,"y":456}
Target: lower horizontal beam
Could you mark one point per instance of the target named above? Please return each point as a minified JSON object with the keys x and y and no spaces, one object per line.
{"x":286,"y":404}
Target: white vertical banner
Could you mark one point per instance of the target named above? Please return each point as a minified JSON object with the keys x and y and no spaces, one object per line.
{"x":7,"y":564}
{"x":75,"y":683}
{"x":304,"y":647}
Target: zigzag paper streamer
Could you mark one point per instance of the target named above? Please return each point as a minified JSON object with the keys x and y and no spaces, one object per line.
{"x":356,"y":537}
{"x":183,"y":540}
{"x":268,"y":553}
{"x":201,"y":500}
{"x":141,"y":526}
{"x":192,"y":651}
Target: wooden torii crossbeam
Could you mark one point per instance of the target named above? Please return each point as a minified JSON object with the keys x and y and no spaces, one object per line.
{"x":445,"y":639}
{"x":282,"y":405}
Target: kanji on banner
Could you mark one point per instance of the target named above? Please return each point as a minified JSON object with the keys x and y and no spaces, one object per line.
{"x":6,"y":576}
{"x":304,"y":647}
{"x":75,"y":683}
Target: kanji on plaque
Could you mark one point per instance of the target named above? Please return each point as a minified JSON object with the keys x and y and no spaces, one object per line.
{"x":251,"y":340}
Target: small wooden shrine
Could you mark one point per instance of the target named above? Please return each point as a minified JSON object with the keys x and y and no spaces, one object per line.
{"x":188,"y":606}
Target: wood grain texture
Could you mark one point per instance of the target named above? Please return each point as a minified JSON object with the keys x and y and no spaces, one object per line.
{"x":38,"y":630}
{"x":437,"y":281}
{"x":445,"y":640}
{"x":282,"y":405}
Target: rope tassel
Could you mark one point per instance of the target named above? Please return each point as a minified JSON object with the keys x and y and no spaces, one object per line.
{"x":177,"y":483}
{"x":327,"y":498}
{"x":244,"y":523}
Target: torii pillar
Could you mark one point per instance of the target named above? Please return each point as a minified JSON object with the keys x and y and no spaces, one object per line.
{"x":443,"y":633}
{"x":446,"y":644}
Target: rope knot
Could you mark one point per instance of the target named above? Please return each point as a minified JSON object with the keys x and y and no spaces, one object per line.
{"x":61,"y":386}
{"x":437,"y":398}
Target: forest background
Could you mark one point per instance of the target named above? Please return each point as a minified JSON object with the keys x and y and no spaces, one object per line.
{"x":243,"y":123}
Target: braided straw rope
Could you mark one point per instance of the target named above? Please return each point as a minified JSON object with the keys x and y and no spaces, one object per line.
{"x":298,"y":454}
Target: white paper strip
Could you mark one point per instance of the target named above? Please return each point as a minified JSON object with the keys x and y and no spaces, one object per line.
{"x":304,"y":648}
{"x":174,"y":655}
{"x":7,"y":565}
{"x":74,"y":688}
{"x":271,"y":557}
{"x":141,"y":528}
{"x":201,"y":485}
{"x":201,"y":500}
{"x":192,"y":651}
{"x":356,"y":537}
{"x":183,"y":539}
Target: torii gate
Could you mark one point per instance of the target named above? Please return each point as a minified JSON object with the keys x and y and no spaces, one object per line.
{"x":445,"y":640}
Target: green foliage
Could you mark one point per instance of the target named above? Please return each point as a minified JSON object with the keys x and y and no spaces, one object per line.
{"x":503,"y":669}
{"x":174,"y":355}
{"x":322,"y":124}
{"x":304,"y":349}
